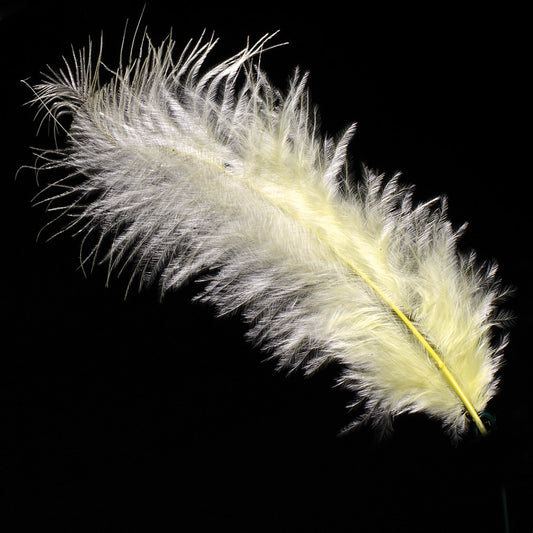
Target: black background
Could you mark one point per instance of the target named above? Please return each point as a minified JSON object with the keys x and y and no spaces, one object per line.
{"x":142,"y":415}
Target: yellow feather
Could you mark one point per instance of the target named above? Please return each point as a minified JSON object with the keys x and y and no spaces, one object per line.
{"x":199,"y":175}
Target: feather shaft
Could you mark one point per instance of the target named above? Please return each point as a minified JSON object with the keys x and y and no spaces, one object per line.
{"x":438,"y":361}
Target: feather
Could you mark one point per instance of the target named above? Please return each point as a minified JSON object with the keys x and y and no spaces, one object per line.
{"x":213,"y":174}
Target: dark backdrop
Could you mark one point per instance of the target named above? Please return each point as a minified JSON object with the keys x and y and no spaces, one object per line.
{"x":141,"y":415}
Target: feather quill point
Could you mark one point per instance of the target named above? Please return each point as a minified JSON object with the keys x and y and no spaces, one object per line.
{"x":213,"y":174}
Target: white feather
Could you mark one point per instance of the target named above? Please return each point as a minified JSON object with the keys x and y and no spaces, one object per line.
{"x":218,"y":175}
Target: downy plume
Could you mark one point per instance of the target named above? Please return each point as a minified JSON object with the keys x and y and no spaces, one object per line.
{"x":213,"y":174}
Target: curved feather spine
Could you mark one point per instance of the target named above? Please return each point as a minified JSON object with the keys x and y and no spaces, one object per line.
{"x":450,"y":378}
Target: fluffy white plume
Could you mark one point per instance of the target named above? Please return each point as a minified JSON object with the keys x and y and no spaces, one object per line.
{"x":187,"y":173}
